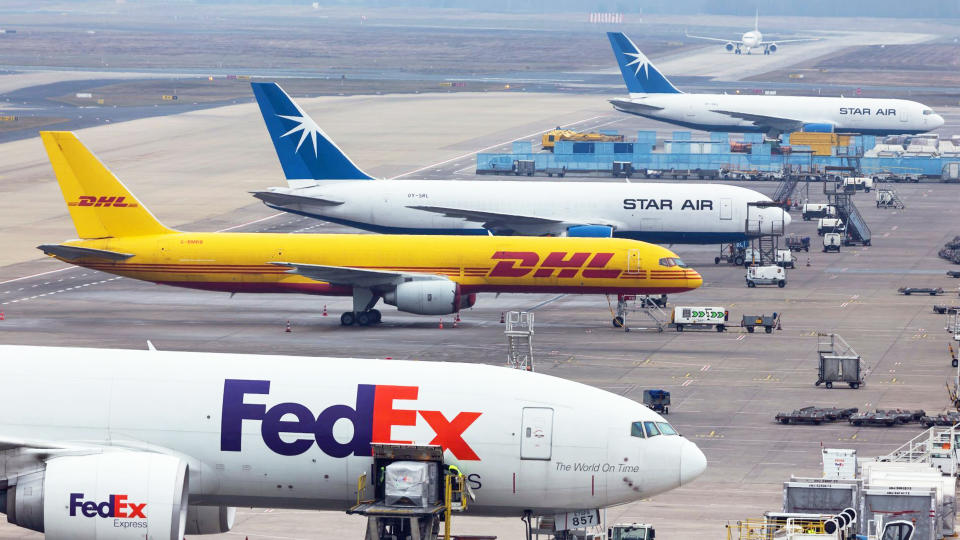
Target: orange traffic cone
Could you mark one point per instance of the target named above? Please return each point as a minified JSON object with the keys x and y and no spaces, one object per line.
{"x":455,"y":322}
{"x":502,"y":319}
{"x":808,"y":261}
{"x":324,"y":310}
{"x":288,"y":327}
{"x":440,"y":326}
{"x":457,"y":318}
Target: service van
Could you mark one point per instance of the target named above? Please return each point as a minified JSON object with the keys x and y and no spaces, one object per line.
{"x":818,"y":210}
{"x":858,"y":183}
{"x":699,"y":317}
{"x":766,"y":275}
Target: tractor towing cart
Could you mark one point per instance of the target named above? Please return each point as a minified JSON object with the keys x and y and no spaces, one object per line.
{"x":408,"y":492}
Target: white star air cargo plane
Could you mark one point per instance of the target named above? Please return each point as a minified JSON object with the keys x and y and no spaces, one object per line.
{"x":322,"y":182}
{"x":127,"y":444}
{"x":752,"y":39}
{"x":653,"y":96}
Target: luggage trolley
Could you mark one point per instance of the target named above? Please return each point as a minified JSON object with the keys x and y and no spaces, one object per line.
{"x":839,"y":363}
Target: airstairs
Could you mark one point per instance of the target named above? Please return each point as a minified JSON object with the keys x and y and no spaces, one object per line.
{"x":519,"y":332}
{"x":857,"y":231}
{"x":649,"y":310}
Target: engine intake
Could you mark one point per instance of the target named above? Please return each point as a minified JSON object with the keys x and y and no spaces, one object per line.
{"x":210,"y":519}
{"x":428,"y":297}
{"x":728,"y":47}
{"x":116,"y":495}
{"x":772,"y":48}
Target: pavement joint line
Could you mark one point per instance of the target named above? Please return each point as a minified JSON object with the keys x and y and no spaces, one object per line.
{"x":38,"y":275}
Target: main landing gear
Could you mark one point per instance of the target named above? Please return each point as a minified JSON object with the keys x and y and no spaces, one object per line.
{"x":362,"y":318}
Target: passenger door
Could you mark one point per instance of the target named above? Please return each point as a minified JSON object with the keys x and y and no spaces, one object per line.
{"x":726,"y":209}
{"x":633,"y":261}
{"x":537,"y":433}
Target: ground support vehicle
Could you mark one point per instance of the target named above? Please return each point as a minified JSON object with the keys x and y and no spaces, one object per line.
{"x":945,"y":310}
{"x":953,"y":273}
{"x":817,"y":211}
{"x":828,"y":225}
{"x":806,"y":415}
{"x":786,"y":259}
{"x":858,"y":183}
{"x":631,"y":531}
{"x":838,"y":362}
{"x":767,"y":322}
{"x":657,"y":400}
{"x":875,"y":418}
{"x":798,"y":243}
{"x":832,"y":242}
{"x":948,"y":418}
{"x":766,"y":275}
{"x":907,"y":291}
{"x":731,"y":253}
{"x":699,"y":318}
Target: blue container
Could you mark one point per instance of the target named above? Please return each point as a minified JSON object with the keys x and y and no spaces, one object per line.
{"x":720,"y":137}
{"x":681,"y":136}
{"x":752,"y":137}
{"x":563,"y":147}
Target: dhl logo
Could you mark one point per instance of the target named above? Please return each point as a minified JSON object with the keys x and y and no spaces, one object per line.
{"x":103,"y":201}
{"x":564,"y":264}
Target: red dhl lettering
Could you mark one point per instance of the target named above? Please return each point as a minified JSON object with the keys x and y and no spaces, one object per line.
{"x":102,"y":201}
{"x":566,"y":265}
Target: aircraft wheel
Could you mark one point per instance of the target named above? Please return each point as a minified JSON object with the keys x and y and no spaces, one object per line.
{"x":751,"y":284}
{"x":375,"y":316}
{"x":347,"y":319}
{"x":738,"y":260}
{"x":364,"y":318}
{"x":829,"y":384}
{"x":618,"y":322}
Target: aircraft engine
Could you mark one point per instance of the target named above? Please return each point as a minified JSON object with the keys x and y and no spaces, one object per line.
{"x":729,"y":47}
{"x":428,"y":297}
{"x":772,"y":48}
{"x":210,"y":519}
{"x":119,"y":495}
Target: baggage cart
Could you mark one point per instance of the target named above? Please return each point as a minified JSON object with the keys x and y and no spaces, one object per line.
{"x":657,"y":400}
{"x":839,"y":363}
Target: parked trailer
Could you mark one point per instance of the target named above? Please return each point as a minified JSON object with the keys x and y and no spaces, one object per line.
{"x":751,"y":322}
{"x":699,"y":317}
{"x":798,"y":243}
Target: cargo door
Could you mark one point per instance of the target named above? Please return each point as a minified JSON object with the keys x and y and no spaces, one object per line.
{"x":726,"y":208}
{"x":537,"y":433}
{"x":633,"y":261}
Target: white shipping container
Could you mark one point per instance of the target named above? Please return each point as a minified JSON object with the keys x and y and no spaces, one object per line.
{"x":839,"y":464}
{"x":84,"y":95}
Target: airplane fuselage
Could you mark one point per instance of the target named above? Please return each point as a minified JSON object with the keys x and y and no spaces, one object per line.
{"x":846,"y":115}
{"x":652,"y":212}
{"x":289,"y":432}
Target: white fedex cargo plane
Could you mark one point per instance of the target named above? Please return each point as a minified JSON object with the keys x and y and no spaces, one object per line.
{"x":752,"y":39}
{"x":325,"y":184}
{"x":653,"y":96}
{"x":147,"y":444}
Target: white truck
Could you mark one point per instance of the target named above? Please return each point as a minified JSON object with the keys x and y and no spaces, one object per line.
{"x":825,"y":225}
{"x":751,"y":256}
{"x":832,"y":242}
{"x":766,"y":275}
{"x":699,"y":317}
{"x":858,"y":183}
{"x":631,"y":531}
{"x":818,"y":210}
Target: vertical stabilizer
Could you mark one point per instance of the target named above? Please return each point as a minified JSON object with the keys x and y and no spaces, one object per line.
{"x":640,"y":76}
{"x":756,"y":21}
{"x":99,"y":204}
{"x":306,"y":153}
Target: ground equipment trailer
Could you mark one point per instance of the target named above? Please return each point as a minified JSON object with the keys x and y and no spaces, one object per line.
{"x":732,"y":253}
{"x":798,"y":243}
{"x":767,"y":322}
{"x":838,"y":362}
{"x":766,"y":275}
{"x":657,"y":400}
{"x":699,"y":317}
{"x":932,"y":291}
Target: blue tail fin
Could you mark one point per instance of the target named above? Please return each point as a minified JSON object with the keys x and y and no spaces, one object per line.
{"x":305,"y":151}
{"x":639,"y":74}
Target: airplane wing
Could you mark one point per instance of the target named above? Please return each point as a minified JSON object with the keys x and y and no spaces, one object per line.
{"x":500,"y":223}
{"x":354,"y":277}
{"x":633,"y":106}
{"x":714,"y":39}
{"x":776,"y":122}
{"x":779,"y":41}
{"x":72,"y":253}
{"x":288,"y":200}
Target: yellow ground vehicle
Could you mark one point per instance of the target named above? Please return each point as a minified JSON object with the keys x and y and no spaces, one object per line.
{"x":554,"y":135}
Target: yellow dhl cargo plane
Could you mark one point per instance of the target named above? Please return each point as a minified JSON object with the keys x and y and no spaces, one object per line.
{"x":427,"y":275}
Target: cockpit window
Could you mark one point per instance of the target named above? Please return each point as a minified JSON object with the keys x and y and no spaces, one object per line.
{"x":636,"y":429}
{"x":927,"y":112}
{"x":666,"y":428}
{"x":672,"y":261}
{"x":651,"y":429}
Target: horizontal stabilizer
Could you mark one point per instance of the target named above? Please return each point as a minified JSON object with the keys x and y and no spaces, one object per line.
{"x":633,"y":107}
{"x":354,"y":277}
{"x":297,"y":202}
{"x":74,"y":253}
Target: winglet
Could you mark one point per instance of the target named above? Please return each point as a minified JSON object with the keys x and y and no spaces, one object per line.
{"x":306,"y":153}
{"x":100,"y":205}
{"x":640,"y":76}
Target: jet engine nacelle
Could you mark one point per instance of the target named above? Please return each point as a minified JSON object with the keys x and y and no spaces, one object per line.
{"x":210,"y":519}
{"x":590,"y":231}
{"x":119,"y":495}
{"x":729,"y":47}
{"x":429,"y":297}
{"x":772,"y":48}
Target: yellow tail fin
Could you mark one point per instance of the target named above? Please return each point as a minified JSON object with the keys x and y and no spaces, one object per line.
{"x":100,"y":205}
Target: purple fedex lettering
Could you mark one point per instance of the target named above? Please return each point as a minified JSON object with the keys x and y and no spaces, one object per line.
{"x":273,"y":422}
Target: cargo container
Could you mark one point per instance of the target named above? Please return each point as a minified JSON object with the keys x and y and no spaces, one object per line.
{"x":820,"y":495}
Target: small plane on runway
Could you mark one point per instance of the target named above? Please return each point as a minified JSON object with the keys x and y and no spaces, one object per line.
{"x":653,"y":96}
{"x":164,"y":444}
{"x":752,"y":39}
{"x":425,"y":275}
{"x":323,"y":183}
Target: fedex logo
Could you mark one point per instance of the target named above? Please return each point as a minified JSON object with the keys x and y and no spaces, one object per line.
{"x":566,"y":265}
{"x":115,"y":202}
{"x":290,"y":429}
{"x":115,"y":507}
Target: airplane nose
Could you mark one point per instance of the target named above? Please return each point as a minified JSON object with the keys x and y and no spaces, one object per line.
{"x":786,"y":219}
{"x":940,"y":121}
{"x":694,"y":279}
{"x":692,"y":462}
